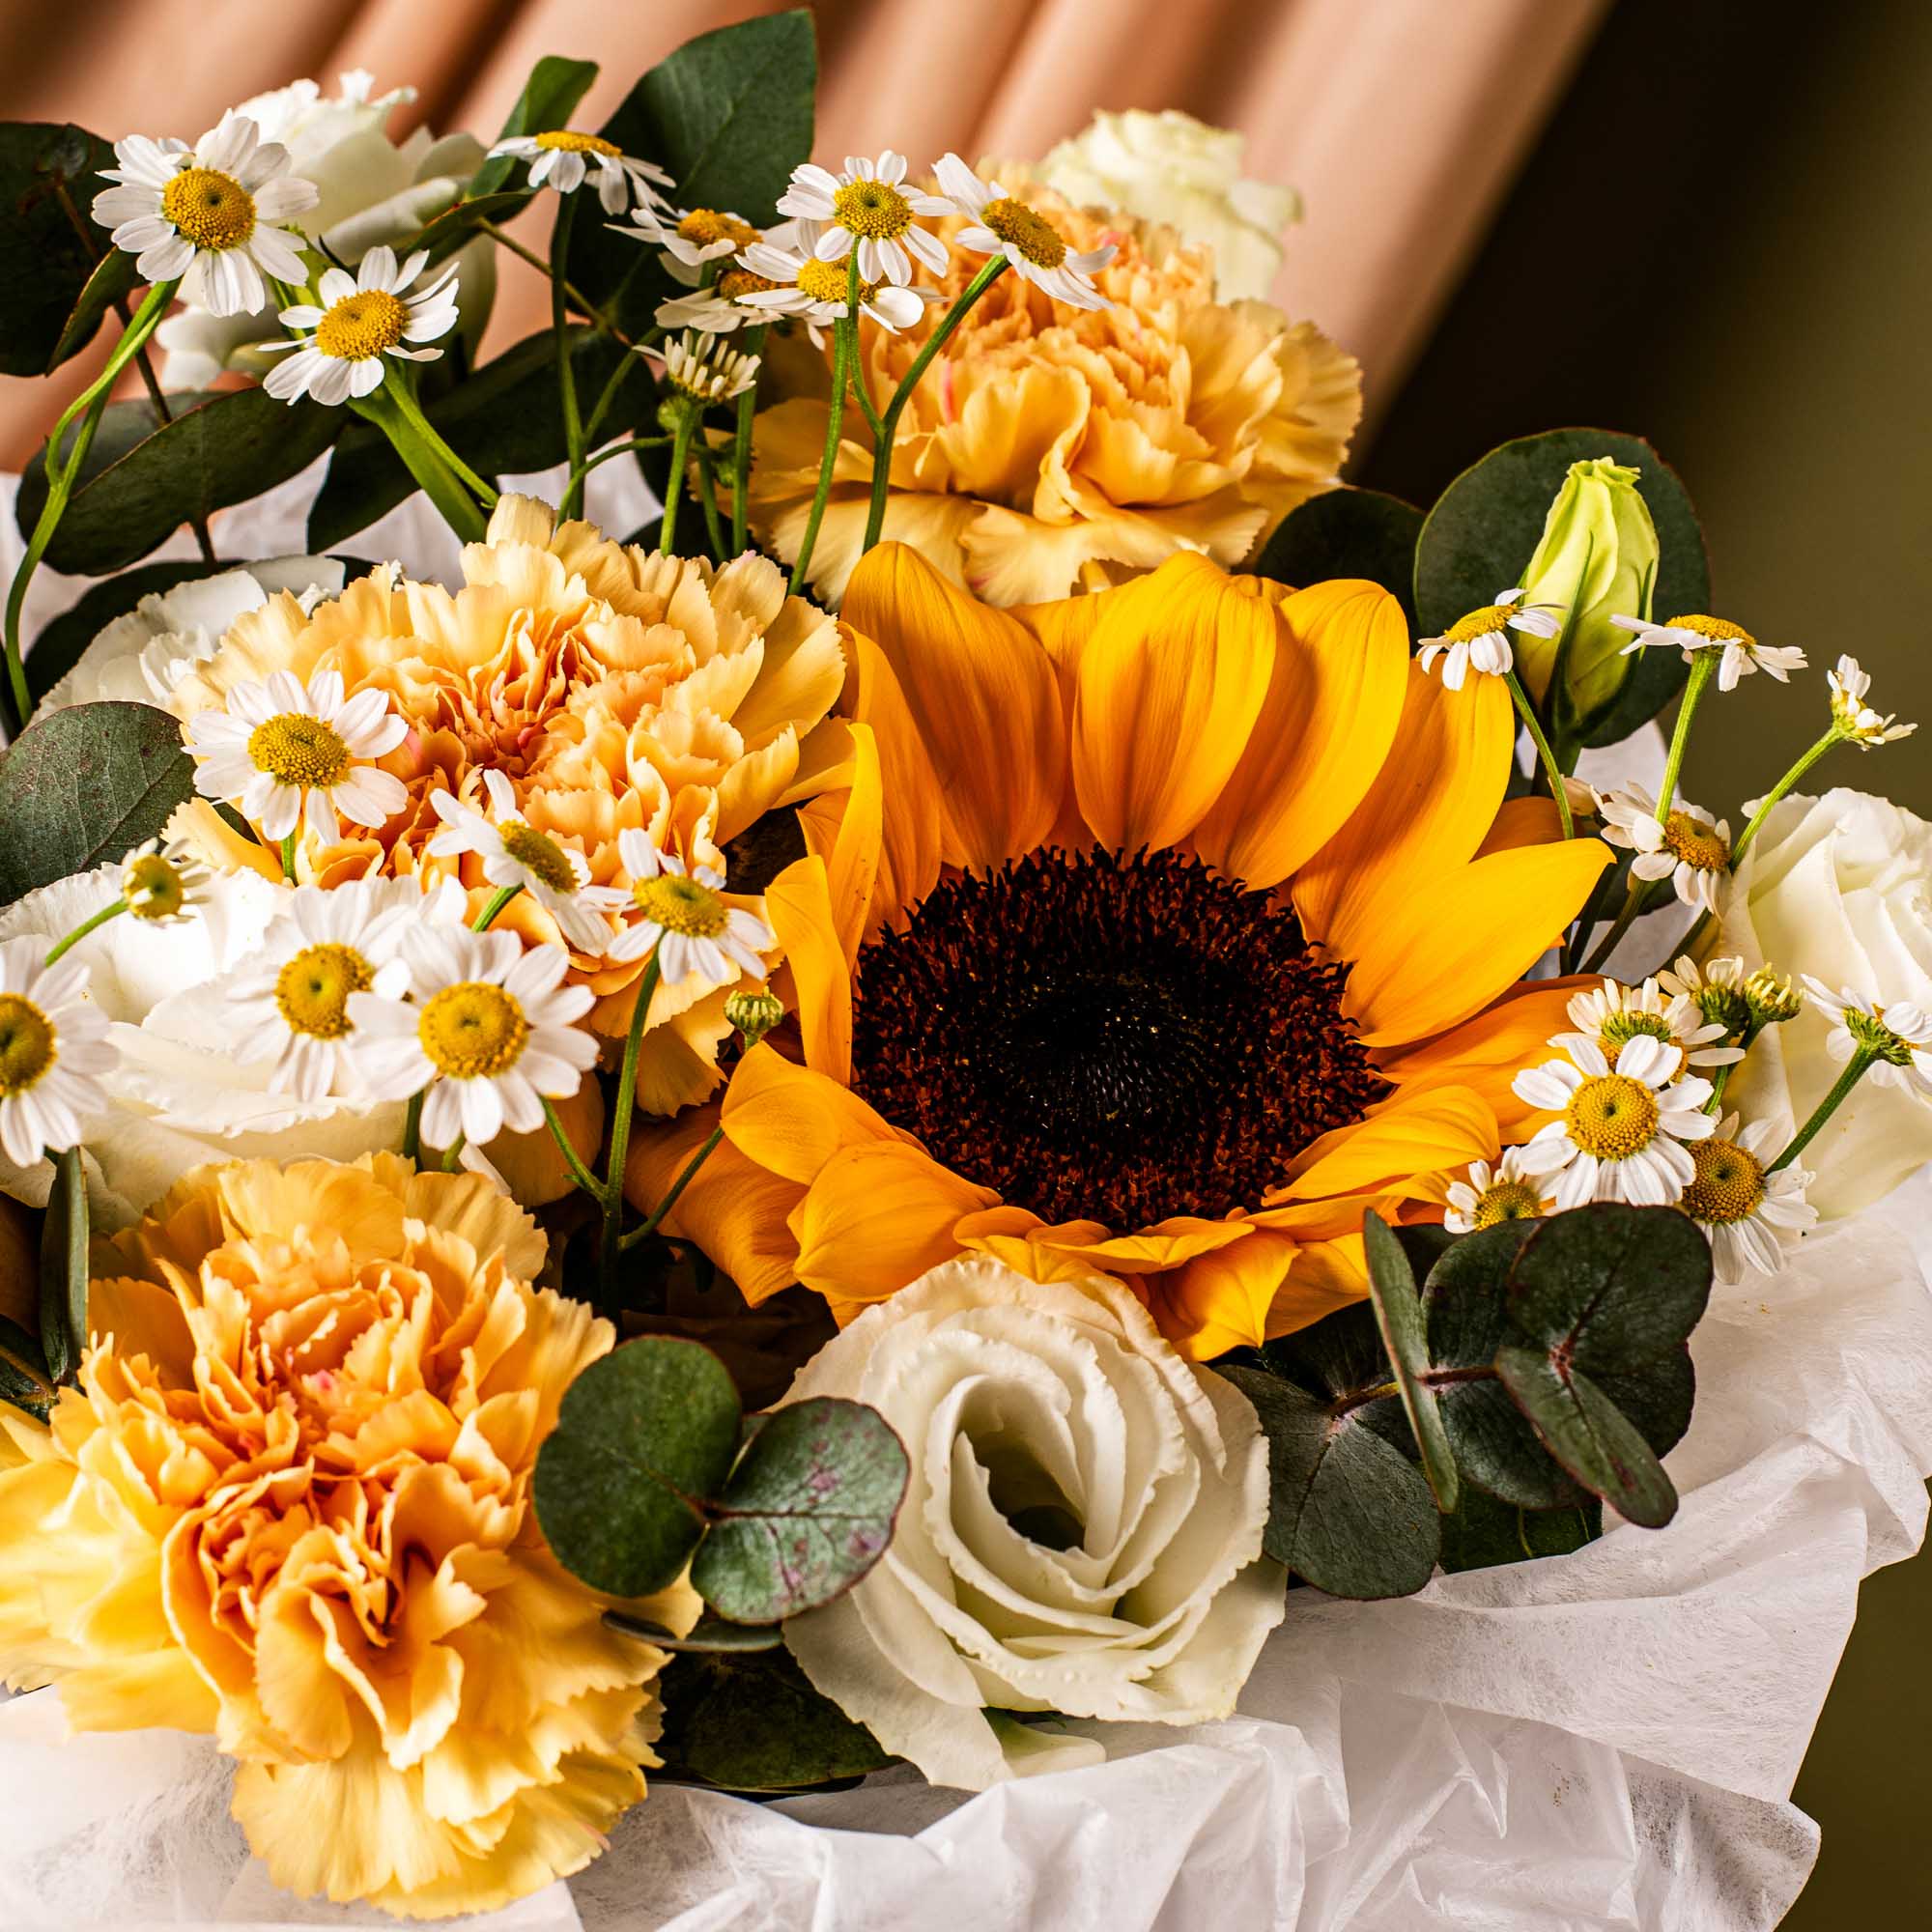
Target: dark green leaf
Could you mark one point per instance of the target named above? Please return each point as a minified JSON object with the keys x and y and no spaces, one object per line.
{"x":1485,"y":1533}
{"x":23,"y":1391}
{"x":1347,"y":1510}
{"x":1399,"y":1316}
{"x":86,"y":784}
{"x":713,"y":1634}
{"x":1584,"y":1429}
{"x":1347,"y":533}
{"x":112,"y":281}
{"x":549,"y":99}
{"x":1463,"y":1295}
{"x":59,"y":648}
{"x":1657,"y":1397}
{"x":144,"y":478}
{"x":643,"y":1437}
{"x":64,"y":1268}
{"x":456,"y":224}
{"x":49,"y":243}
{"x":756,"y":1724}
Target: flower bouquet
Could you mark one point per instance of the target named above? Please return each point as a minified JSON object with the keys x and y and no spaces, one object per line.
{"x":918,"y":1117}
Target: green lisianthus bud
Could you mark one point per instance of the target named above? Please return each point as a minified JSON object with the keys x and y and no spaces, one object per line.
{"x":1597,"y":560}
{"x":753,"y":1014}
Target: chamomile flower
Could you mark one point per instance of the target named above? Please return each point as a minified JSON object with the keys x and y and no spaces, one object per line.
{"x":1857,"y":722}
{"x":1480,"y":640}
{"x":1610,"y":1016}
{"x":360,"y":319}
{"x":1717,"y":989}
{"x":207,"y":216}
{"x":514,"y":853}
{"x":291,"y":995}
{"x":686,"y":918}
{"x":492,"y":1036}
{"x":1690,"y":848}
{"x":710,"y":311}
{"x":53,"y":1047}
{"x":792,"y":280}
{"x":865,"y":207}
{"x":1899,"y":1035}
{"x":283,"y":752}
{"x":1494,"y":1194}
{"x":164,"y":882}
{"x":1742,"y":654}
{"x":563,"y":157}
{"x":1033,"y":248}
{"x":705,"y":370}
{"x":1619,"y":1136}
{"x":1748,"y":1214}
{"x":687,"y":238}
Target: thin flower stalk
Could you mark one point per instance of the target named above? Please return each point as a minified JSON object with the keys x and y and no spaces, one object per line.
{"x":845,"y":341}
{"x":1860,"y":1063}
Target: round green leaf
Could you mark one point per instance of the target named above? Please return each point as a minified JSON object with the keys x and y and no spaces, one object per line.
{"x":1587,"y":1431}
{"x":1399,"y":1316}
{"x":808,"y":1511}
{"x":1347,"y":533}
{"x":1485,"y":1533}
{"x":57,"y":267}
{"x":756,"y":1724}
{"x":642,"y":1437}
{"x":712,"y":1634}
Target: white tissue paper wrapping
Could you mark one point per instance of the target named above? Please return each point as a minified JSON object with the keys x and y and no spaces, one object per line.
{"x":1604,"y":1740}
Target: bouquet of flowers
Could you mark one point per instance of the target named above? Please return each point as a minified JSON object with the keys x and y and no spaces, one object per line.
{"x":864,"y":1123}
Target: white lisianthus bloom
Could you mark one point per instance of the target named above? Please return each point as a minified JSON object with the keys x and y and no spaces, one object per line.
{"x":1081,"y":1533}
{"x":1170,"y":168}
{"x":1838,"y":888}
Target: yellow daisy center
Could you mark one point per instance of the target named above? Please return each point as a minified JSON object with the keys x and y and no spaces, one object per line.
{"x":1696,"y":843}
{"x":874,"y":209}
{"x":209,"y":208}
{"x":736,"y":282}
{"x":1729,"y":1182}
{"x":1620,"y":1028}
{"x":1720,"y":630}
{"x":312,"y":990}
{"x":26,"y":1044}
{"x":1612,"y":1117}
{"x":823,"y":281}
{"x":1480,"y":623}
{"x":362,"y":324}
{"x":1026,"y":231}
{"x":706,"y":225}
{"x":681,"y":905}
{"x":152,"y":887}
{"x":298,"y":749}
{"x":472,"y":1031}
{"x":1507,"y":1201}
{"x":539,"y":853}
{"x":570,"y":142}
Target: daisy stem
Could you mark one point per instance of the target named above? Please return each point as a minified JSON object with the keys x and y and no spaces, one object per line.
{"x":889,"y":420}
{"x":1720,"y":1076}
{"x":1855,"y":1071}
{"x":844,"y":335}
{"x":572,"y":1159}
{"x":559,"y":322}
{"x":1702,"y":667}
{"x":487,"y":917}
{"x":289,"y":858}
{"x":1526,"y":711}
{"x":453,"y":1154}
{"x":81,"y":931}
{"x":1833,"y":736}
{"x":741,"y":454}
{"x":707,"y":497}
{"x":612,"y":1193}
{"x":412,"y":1119}
{"x":413,"y":414}
{"x":579,"y":301}
{"x":680,"y":459}
{"x":606,"y":397}
{"x":628,"y":446}
{"x":1639,"y":892}
{"x":425,"y":461}
{"x":678,"y":1188}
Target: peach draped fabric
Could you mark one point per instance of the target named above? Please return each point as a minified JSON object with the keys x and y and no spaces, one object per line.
{"x":1401,"y":121}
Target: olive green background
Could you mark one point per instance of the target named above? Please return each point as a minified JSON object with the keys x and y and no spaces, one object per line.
{"x":1725,"y":243}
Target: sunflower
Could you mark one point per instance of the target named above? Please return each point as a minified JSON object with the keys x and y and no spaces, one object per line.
{"x":1162,"y":931}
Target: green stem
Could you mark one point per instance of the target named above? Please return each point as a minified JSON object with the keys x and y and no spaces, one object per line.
{"x":413,"y":414}
{"x":452,"y":1157}
{"x":680,"y":459}
{"x":289,"y":858}
{"x":412,"y":1128}
{"x":625,"y":448}
{"x":1703,"y":667}
{"x":620,"y":1137}
{"x":1855,"y":1071}
{"x":1720,"y":1076}
{"x":151,"y":383}
{"x":1550,"y":769}
{"x":1833,"y":736}
{"x":559,"y":322}
{"x":487,"y":917}
{"x":889,"y":420}
{"x":1639,"y":893}
{"x":678,"y":1188}
{"x":579,"y":301}
{"x":86,"y":926}
{"x":606,"y":398}
{"x":741,"y":454}
{"x":844,"y":338}
{"x":707,"y":497}
{"x":572,"y":1159}
{"x":434,"y":476}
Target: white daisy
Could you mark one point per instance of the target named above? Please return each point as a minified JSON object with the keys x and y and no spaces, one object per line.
{"x":1480,"y":640}
{"x":1718,"y":989}
{"x":707,"y":371}
{"x":688,"y":237}
{"x":291,"y":995}
{"x":1854,"y":718}
{"x":710,"y":311}
{"x":1748,"y":1214}
{"x":206,"y":215}
{"x":53,"y":1046}
{"x":1742,"y":653}
{"x":1618,"y":1136}
{"x":864,"y":205}
{"x":164,"y":882}
{"x":514,"y":853}
{"x":1489,"y":1195}
{"x":1690,"y":848}
{"x":1899,"y":1036}
{"x":686,"y":919}
{"x":1610,"y":1016}
{"x":360,"y":319}
{"x":1032,"y":247}
{"x":792,"y":280}
{"x":561,"y":157}
{"x":281,"y":752}
{"x":492,"y":1036}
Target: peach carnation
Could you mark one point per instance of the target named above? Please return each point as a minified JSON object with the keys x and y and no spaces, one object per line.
{"x":289,"y":1504}
{"x":1049,"y":450}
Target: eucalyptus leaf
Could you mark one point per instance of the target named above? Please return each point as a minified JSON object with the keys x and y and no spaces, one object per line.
{"x":1587,"y":1431}
{"x":712,"y":1634}
{"x":52,"y":249}
{"x":1399,"y":1316}
{"x":85,"y":785}
{"x":64,"y":1275}
{"x":1347,"y":533}
{"x":549,"y":99}
{"x":441,"y":237}
{"x":756,"y":1724}
{"x":643,"y":1437}
{"x":113,"y":280}
{"x":807,"y":1512}
{"x":1484,"y":1533}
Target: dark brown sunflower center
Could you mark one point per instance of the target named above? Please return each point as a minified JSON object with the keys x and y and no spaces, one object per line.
{"x":1106,"y":1039}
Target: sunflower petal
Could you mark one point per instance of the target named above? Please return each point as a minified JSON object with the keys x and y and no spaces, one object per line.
{"x":1328,"y":1275}
{"x":798,"y":904}
{"x":790,"y":1119}
{"x":1166,"y":1244}
{"x":843,"y":828}
{"x":1223,"y":1299}
{"x":913,"y":813}
{"x":1446,"y":1127}
{"x":877,"y":1217}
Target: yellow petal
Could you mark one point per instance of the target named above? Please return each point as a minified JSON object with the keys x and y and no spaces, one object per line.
{"x":1522,"y":821}
{"x":1167,"y":1244}
{"x":798,"y":904}
{"x":851,"y":852}
{"x":1221,"y":1301}
{"x":877,"y":1217}
{"x":1168,"y":689}
{"x":792,"y":1120}
{"x":912,"y":811}
{"x":1326,"y":1275}
{"x":1446,"y":1127}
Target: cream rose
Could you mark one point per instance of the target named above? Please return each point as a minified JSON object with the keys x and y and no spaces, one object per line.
{"x":1172,"y":168}
{"x":1839,"y":886}
{"x":1082,"y":1532}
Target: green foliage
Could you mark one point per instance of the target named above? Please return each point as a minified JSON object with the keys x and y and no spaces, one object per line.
{"x":1347,"y":533}
{"x":1484,"y":1532}
{"x":64,"y":1269}
{"x":755,"y":1723}
{"x":549,"y":99}
{"x":1399,"y":1316}
{"x":58,"y":269}
{"x":83,"y":785}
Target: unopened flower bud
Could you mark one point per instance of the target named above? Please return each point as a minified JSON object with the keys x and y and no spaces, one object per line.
{"x":162,"y":882}
{"x":753,"y":1014}
{"x":1772,"y":998}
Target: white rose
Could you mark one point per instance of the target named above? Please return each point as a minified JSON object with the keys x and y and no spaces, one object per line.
{"x":1172,"y":168}
{"x":1839,"y":886}
{"x":1082,"y":1531}
{"x":373,"y":190}
{"x":139,"y":658}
